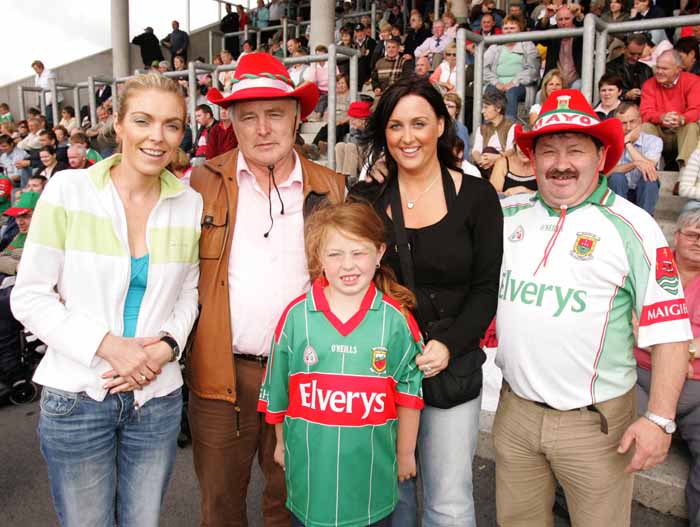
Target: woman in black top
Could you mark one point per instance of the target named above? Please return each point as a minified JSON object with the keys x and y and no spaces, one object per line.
{"x":444,"y":241}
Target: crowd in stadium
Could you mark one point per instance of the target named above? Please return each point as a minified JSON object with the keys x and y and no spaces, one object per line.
{"x":543,"y":165}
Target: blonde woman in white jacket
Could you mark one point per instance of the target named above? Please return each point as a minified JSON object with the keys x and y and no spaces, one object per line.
{"x":108,"y":280}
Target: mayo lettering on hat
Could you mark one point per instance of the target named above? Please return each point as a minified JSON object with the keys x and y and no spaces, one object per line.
{"x":568,"y":111}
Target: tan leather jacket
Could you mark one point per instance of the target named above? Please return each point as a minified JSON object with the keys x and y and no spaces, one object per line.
{"x":210,"y":368}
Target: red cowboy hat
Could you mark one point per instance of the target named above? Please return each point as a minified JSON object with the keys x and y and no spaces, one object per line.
{"x":569,"y":111}
{"x":262,"y":76}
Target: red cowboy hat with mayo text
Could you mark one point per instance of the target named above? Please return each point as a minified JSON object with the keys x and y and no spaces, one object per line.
{"x":568,"y":111}
{"x":262,"y":76}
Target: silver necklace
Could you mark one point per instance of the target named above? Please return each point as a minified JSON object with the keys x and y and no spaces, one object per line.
{"x":410,"y":203}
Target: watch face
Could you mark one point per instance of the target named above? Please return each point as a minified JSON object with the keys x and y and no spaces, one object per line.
{"x":670,"y":427}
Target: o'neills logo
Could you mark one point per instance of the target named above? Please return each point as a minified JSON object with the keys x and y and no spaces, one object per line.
{"x":341,"y":400}
{"x":664,"y":312}
{"x":564,"y":117}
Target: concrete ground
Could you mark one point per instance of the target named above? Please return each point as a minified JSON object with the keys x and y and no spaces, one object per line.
{"x":25,"y":499}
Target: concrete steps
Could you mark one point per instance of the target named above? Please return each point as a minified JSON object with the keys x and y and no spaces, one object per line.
{"x":669,"y":206}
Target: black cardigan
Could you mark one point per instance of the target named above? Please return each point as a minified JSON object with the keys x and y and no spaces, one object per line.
{"x":456,"y":264}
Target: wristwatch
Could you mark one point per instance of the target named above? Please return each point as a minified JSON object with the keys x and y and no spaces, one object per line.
{"x":667,"y":425}
{"x":170,"y":341}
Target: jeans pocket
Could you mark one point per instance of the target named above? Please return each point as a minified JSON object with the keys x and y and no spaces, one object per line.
{"x":57,"y":403}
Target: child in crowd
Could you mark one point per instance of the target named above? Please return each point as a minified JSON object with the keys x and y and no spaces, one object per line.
{"x":341,"y":373}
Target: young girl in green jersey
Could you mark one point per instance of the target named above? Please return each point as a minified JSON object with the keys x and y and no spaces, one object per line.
{"x":342,"y":386}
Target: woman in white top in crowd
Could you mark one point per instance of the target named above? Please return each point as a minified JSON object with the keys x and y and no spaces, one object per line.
{"x":108,"y":280}
{"x":551,"y":82}
{"x":68,"y":119}
{"x":445,"y":75}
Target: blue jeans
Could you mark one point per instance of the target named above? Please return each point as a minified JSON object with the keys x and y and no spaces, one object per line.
{"x":513,"y":96}
{"x":645,"y":195}
{"x":446,"y":446}
{"x":108,"y":460}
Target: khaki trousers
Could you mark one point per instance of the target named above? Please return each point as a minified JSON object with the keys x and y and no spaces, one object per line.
{"x":536,"y":446}
{"x":223,"y":459}
{"x":682,"y":142}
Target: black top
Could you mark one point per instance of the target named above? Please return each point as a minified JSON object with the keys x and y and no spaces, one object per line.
{"x":456,"y":264}
{"x":516,"y":180}
{"x":632,"y":75}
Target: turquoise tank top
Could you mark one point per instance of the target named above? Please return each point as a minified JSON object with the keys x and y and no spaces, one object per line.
{"x":134,"y":296}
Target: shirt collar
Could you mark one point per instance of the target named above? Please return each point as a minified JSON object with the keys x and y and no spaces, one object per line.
{"x":243,"y":172}
{"x":319,"y":302}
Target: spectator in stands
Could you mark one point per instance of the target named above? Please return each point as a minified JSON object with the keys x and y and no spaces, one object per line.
{"x":22,"y":212}
{"x":481,"y":9}
{"x":453,"y":103}
{"x":515,"y":9}
{"x":102,"y":134}
{"x":61,"y":137}
{"x":610,"y":90}
{"x":495,"y":136}
{"x":103,"y":93}
{"x":230,"y":24}
{"x":438,"y":209}
{"x":390,"y":67}
{"x":509,"y":68}
{"x":149,"y":47}
{"x":615,"y":11}
{"x":293,"y":44}
{"x":42,"y":80}
{"x":465,"y":165}
{"x":346,"y":40}
{"x":22,"y":130}
{"x":5,"y":114}
{"x":9,"y":128}
{"x":226,"y":76}
{"x":687,"y":259}
{"x":68,"y":118}
{"x":6,"y":188}
{"x":365,"y":45}
{"x":450,"y":24}
{"x":653,"y":49}
{"x":48,"y":138}
{"x":671,"y":107}
{"x":177,"y":41}
{"x":205,"y":121}
{"x":163,"y":66}
{"x":124,"y":369}
{"x":349,"y":150}
{"x":513,"y":174}
{"x":260,"y":16}
{"x":434,"y":44}
{"x":296,"y":71}
{"x":77,"y":157}
{"x":687,"y":48}
{"x":31,"y":141}
{"x":634,"y":178}
{"x":645,"y":9}
{"x":264,"y":241}
{"x":488,"y":26}
{"x":47,"y":154}
{"x":342,"y":124}
{"x":221,"y":137}
{"x":393,"y":15}
{"x":417,"y":34}
{"x":80,"y":138}
{"x":565,"y":54}
{"x":628,"y":67}
{"x":445,"y":75}
{"x":14,"y":161}
{"x":318,"y":74}
{"x":384,"y":35}
{"x":422,"y":67}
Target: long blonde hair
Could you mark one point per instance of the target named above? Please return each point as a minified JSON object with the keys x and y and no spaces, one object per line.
{"x":359,"y":221}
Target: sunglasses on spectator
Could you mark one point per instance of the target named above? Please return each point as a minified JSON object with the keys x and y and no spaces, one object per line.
{"x":450,"y":54}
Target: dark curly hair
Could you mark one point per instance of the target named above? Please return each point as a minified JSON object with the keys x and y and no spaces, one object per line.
{"x":376,"y":127}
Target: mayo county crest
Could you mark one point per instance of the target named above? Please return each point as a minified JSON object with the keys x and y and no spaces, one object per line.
{"x":584,"y":245}
{"x":310,"y":357}
{"x":379,"y":359}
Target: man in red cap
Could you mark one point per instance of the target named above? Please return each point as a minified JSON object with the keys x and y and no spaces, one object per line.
{"x":348,"y":151}
{"x":578,"y":262}
{"x":252,"y":265}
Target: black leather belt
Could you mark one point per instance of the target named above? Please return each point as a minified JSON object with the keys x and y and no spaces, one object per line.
{"x":590,"y":408}
{"x":251,"y":358}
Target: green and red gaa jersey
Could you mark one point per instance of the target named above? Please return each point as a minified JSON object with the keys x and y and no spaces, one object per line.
{"x":6,"y":187}
{"x":336,"y":387}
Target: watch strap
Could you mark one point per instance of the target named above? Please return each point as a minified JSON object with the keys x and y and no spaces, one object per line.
{"x":170,"y":341}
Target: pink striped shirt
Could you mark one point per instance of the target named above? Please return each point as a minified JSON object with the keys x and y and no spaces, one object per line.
{"x":265,"y":274}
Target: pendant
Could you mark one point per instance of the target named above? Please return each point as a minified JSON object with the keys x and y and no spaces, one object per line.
{"x":409,"y":204}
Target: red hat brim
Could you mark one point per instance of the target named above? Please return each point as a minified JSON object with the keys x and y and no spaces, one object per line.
{"x":608,"y":132}
{"x":16,"y":211}
{"x":307,"y":94}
